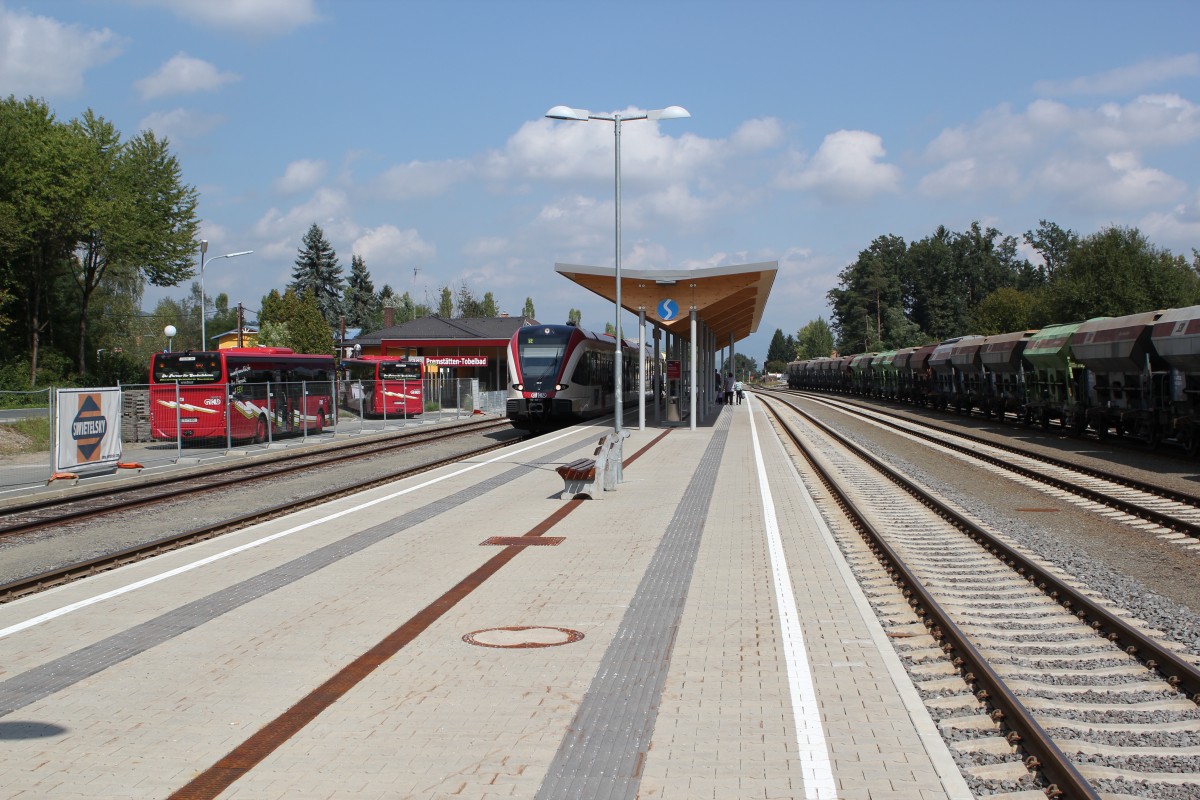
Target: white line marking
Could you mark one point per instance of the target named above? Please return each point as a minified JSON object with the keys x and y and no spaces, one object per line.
{"x":806,"y":712}
{"x":67,"y":609}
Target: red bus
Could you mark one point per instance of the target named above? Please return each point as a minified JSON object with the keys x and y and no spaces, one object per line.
{"x":239,"y":393}
{"x":383,"y":386}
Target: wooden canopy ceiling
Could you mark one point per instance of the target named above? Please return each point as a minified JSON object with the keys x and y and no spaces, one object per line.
{"x":729,"y":300}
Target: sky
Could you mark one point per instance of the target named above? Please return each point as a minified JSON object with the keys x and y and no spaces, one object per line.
{"x":414,"y":133}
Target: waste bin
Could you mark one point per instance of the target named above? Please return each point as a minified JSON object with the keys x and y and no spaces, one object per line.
{"x":673,"y":408}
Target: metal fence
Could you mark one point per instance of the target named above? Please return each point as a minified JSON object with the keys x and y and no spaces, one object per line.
{"x":27,"y":417}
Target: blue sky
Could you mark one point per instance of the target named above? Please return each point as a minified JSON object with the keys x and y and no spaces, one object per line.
{"x":414,"y":134}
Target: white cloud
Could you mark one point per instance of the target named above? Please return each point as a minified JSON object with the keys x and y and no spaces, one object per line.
{"x":967,"y":175}
{"x":1147,"y":121}
{"x":757,"y":134}
{"x":421,"y":179}
{"x":42,"y":56}
{"x":181,"y":124}
{"x":1117,"y":181}
{"x":486,"y":247}
{"x":301,"y":176}
{"x":183,"y":74}
{"x":584,"y":151}
{"x":1177,"y":228}
{"x":246,"y":17}
{"x":848,"y":166}
{"x":328,"y":208}
{"x":1088,"y":156}
{"x":388,"y":246}
{"x":1125,"y":80}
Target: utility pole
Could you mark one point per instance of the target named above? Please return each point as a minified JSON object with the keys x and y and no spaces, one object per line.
{"x":240,"y":325}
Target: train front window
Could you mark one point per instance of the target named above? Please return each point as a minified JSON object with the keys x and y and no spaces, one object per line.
{"x":540,"y":352}
{"x":187,"y":368}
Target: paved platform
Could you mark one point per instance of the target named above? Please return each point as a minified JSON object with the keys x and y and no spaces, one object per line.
{"x":694,"y":634}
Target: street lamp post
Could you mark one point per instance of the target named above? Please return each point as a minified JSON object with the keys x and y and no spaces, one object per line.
{"x":582,"y":115}
{"x":203,"y":301}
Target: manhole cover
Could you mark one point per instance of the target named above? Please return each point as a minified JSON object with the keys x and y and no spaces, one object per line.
{"x":522,"y":636}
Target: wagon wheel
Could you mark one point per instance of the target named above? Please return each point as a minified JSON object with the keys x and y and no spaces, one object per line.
{"x":1078,"y":424}
{"x":260,"y":430}
{"x":1153,"y":434}
{"x":1193,"y":440}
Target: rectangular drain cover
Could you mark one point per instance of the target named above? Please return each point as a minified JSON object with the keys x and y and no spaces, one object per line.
{"x":523,"y":541}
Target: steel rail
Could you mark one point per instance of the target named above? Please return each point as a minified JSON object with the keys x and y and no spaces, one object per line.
{"x":1150,"y":515}
{"x":1177,"y":671}
{"x":191,"y":482}
{"x":36,"y":583}
{"x":1042,"y":753}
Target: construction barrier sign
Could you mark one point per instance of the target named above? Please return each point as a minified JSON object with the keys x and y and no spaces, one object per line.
{"x":87,"y":430}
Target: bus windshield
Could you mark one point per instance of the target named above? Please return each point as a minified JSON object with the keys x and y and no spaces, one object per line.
{"x":540,"y":351}
{"x":400,"y":370}
{"x":187,"y":367}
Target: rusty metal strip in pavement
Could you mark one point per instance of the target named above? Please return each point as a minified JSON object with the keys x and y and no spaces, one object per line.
{"x":210,"y":783}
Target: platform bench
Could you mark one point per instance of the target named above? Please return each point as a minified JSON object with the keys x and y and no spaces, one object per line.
{"x":583,"y":476}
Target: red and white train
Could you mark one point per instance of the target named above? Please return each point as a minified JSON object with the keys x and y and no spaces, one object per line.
{"x":562,"y":374}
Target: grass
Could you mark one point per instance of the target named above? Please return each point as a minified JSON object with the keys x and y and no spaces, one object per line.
{"x":26,"y":436}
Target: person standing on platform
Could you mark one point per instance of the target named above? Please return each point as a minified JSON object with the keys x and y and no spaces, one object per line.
{"x":729,"y":383}
{"x":737,"y":388}
{"x":720,"y":386}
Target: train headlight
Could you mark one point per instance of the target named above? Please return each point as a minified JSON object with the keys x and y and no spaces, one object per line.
{"x":558,"y":387}
{"x":520,"y":387}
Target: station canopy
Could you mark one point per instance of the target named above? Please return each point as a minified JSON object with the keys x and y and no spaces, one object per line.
{"x":729,"y":300}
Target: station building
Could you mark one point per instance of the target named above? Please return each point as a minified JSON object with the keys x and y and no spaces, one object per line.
{"x":454,"y":349}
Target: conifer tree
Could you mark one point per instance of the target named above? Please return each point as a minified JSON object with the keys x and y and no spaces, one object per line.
{"x":360,"y":300}
{"x":317,"y":270}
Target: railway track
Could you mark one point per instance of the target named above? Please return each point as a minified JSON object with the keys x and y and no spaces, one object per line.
{"x":1139,"y":501}
{"x":172,"y":490}
{"x":47,"y":514}
{"x":1046,"y":683}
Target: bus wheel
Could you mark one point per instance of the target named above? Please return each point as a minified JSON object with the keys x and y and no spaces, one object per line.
{"x":260,"y":430}
{"x":320,"y":427}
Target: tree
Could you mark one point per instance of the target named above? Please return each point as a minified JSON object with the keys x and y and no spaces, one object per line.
{"x":1007,"y":310}
{"x":294,"y":322}
{"x":814,"y":340}
{"x":360,"y":300}
{"x":528,"y":311}
{"x":574,"y":315}
{"x":744,"y":367}
{"x":317,"y":271}
{"x":224,"y":318}
{"x":1116,"y":272}
{"x":42,"y":190}
{"x":780,"y":351}
{"x":139,"y":220}
{"x":469,"y":307}
{"x":446,"y":303}
{"x":1054,"y":245}
{"x":866,"y":290}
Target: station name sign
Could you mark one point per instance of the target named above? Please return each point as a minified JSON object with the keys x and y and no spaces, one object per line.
{"x":457,"y":361}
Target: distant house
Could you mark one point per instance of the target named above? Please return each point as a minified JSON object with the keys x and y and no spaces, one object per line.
{"x":473,"y":347}
{"x":229,"y":339}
